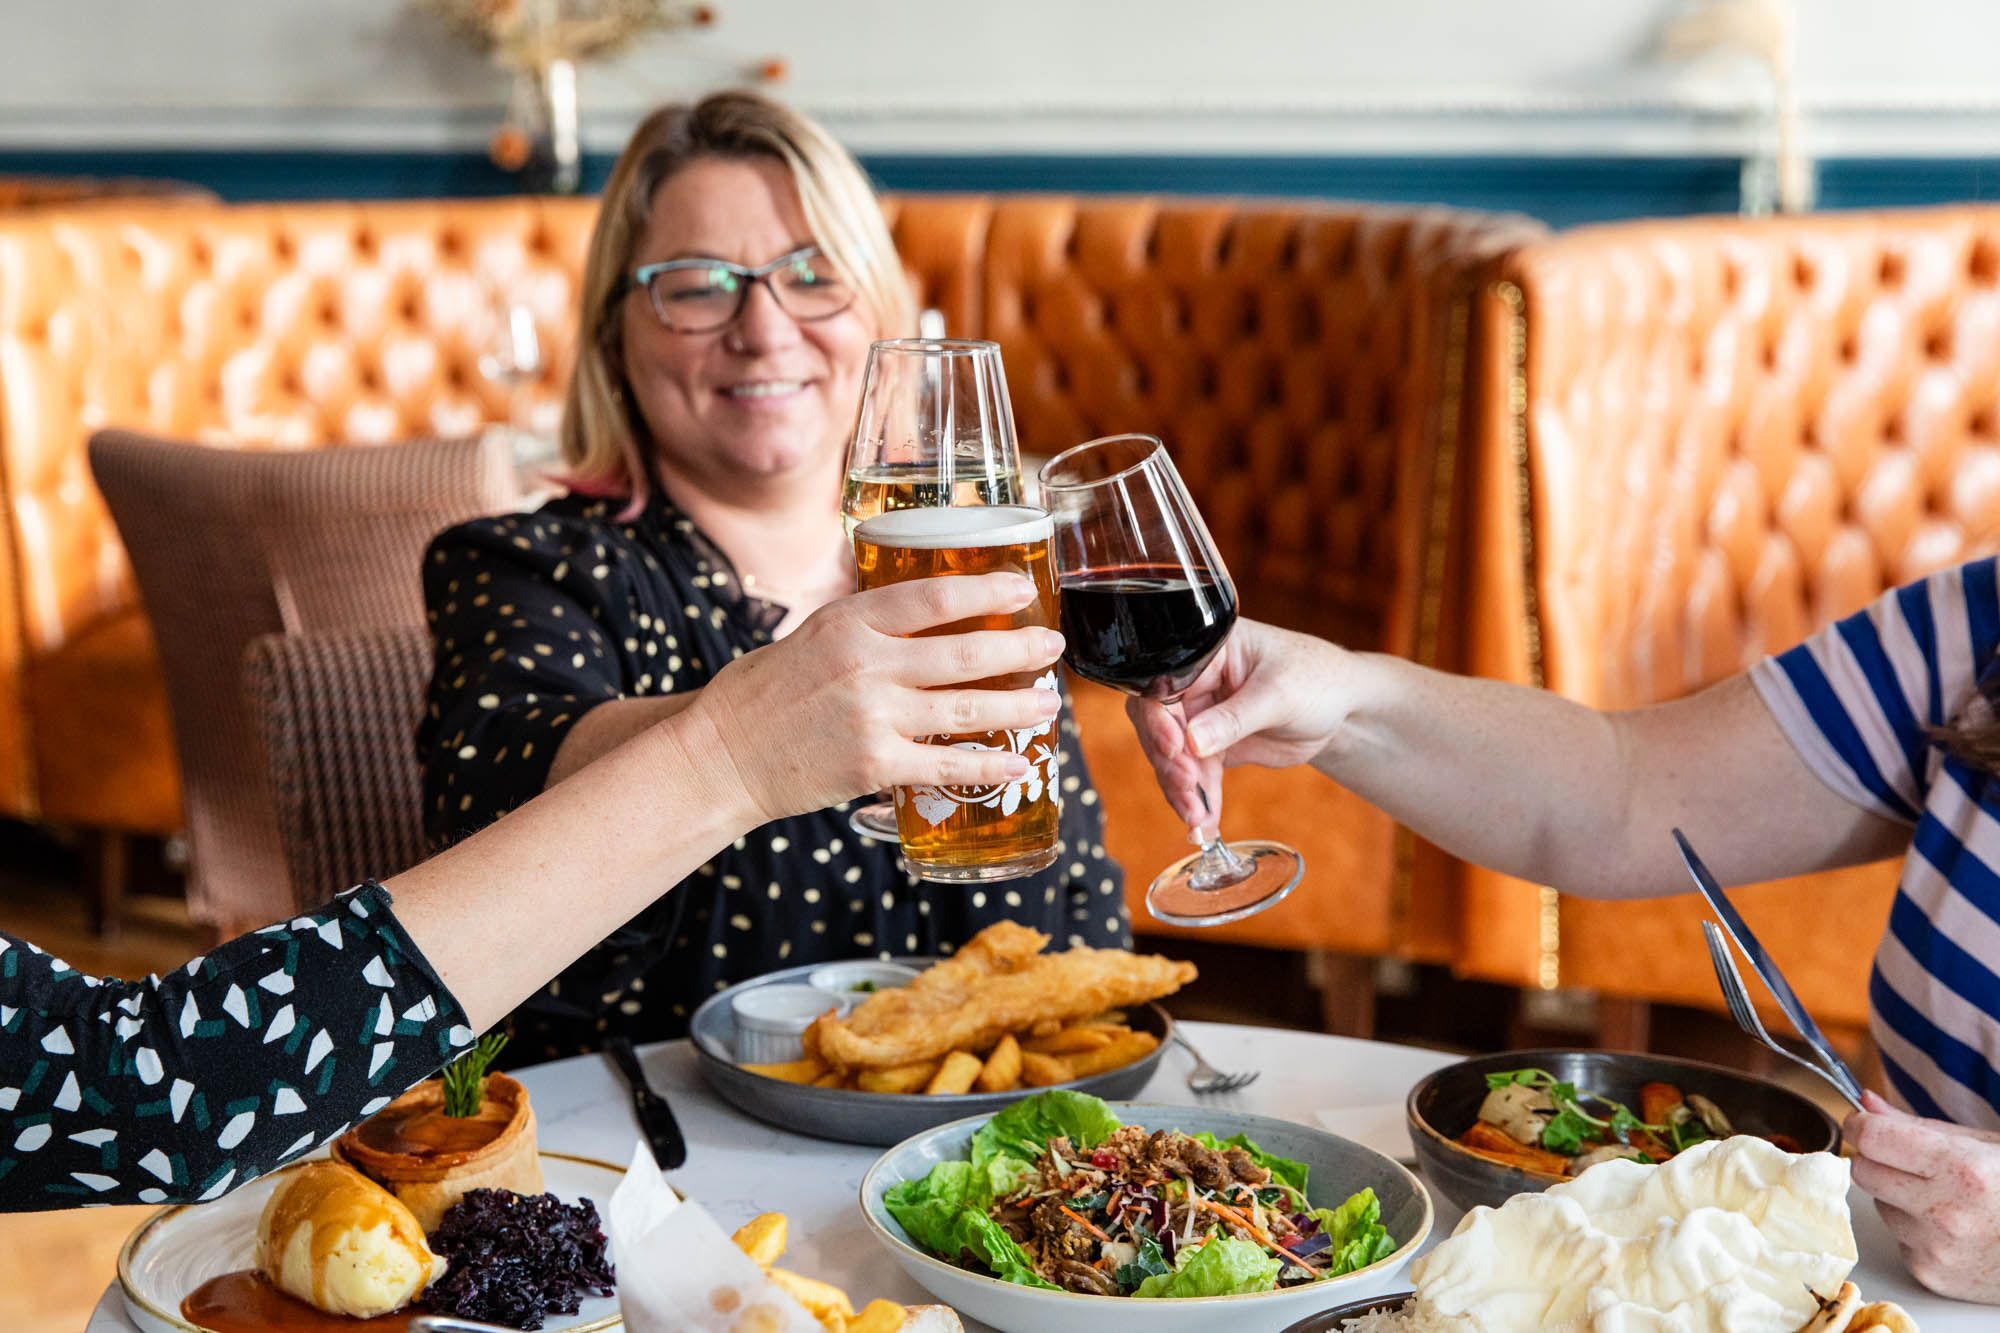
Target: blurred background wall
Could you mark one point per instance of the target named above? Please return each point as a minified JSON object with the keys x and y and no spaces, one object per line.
{"x":1567,"y":109}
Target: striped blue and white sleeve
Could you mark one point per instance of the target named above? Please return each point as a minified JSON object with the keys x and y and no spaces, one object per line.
{"x":1858,"y":699}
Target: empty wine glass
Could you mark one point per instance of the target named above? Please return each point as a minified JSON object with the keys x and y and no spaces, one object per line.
{"x":515,"y":355}
{"x":513,"y":359}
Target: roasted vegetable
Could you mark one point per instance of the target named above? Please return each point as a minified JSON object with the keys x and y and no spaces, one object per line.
{"x":1657,"y":1101}
{"x":1497,"y":1145}
{"x":1519,"y":1110}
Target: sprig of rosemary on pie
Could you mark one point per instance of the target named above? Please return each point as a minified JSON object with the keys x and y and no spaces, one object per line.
{"x":465,"y":1077}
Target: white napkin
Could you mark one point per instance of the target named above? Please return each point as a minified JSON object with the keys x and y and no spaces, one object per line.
{"x":678,"y":1271}
{"x":1382,"y":1126}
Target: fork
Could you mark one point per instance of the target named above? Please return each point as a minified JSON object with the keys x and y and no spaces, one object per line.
{"x":1745,"y":1013}
{"x":1767,"y":970}
{"x":1206,"y":1078}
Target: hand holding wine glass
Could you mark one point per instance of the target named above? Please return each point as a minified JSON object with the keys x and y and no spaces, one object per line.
{"x":1146,"y":605}
{"x":1264,"y":699}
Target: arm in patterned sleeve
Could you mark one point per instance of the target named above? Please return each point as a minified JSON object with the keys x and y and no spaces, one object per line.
{"x":180,"y":1088}
{"x":516,"y":608}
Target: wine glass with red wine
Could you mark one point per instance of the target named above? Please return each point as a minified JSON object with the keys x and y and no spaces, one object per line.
{"x":1146,"y":604}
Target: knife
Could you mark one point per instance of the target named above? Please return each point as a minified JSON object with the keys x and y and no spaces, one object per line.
{"x":1739,"y":930}
{"x":656,"y":1118}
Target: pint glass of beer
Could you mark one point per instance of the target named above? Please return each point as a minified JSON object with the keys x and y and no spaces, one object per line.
{"x":935,"y":428}
{"x":973,"y":834}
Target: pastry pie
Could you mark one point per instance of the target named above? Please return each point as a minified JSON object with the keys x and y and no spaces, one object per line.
{"x":431,"y":1160}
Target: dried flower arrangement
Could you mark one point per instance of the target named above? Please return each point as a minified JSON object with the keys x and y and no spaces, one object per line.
{"x":531,"y":34}
{"x":542,"y":42}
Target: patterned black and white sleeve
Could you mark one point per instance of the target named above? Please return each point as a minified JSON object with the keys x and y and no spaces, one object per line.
{"x":180,"y":1088}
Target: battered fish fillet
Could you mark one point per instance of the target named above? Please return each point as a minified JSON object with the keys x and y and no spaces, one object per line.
{"x":973,"y":1009}
{"x":1002,"y":947}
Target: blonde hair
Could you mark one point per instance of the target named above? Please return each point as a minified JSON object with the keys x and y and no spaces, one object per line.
{"x":601,"y":429}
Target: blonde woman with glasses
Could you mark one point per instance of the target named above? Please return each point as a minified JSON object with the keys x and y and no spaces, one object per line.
{"x":738,"y":272}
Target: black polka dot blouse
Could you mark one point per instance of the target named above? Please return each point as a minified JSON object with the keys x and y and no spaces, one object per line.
{"x":539,"y":617}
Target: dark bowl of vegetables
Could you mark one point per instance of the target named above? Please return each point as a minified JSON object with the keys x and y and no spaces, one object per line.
{"x":1495,"y":1126}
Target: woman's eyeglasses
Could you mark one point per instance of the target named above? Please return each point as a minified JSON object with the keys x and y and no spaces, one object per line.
{"x":702,"y":295}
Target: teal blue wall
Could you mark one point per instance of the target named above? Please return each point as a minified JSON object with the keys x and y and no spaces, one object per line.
{"x":1560,"y":190}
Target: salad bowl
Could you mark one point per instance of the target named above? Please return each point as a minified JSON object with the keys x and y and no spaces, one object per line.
{"x":1337,"y":1168}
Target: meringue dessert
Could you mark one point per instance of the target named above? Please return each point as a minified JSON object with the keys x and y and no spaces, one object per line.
{"x":431,"y":1159}
{"x":336,"y":1240}
{"x":1733,"y":1234}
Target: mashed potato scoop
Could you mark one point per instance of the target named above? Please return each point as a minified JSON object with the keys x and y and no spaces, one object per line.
{"x":341,"y":1243}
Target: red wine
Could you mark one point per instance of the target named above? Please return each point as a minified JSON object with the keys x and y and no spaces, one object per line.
{"x":1146,"y":630}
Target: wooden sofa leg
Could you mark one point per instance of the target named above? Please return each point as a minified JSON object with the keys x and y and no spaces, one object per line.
{"x":1624,"y":1025}
{"x":1346,"y":992}
{"x":110,"y":876}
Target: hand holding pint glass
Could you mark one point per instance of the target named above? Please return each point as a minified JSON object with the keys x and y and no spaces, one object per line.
{"x":975,"y":834}
{"x":935,"y":428}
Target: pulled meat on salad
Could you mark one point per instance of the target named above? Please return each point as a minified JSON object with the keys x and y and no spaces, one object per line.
{"x":1101,"y":1221}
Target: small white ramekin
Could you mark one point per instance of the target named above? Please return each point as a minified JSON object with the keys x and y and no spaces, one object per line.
{"x":844,"y":979}
{"x":772,"y":1020}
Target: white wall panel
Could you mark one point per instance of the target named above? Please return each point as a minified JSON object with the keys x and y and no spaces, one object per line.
{"x":1241,"y":76}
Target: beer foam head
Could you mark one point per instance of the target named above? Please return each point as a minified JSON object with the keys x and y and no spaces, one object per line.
{"x":956,"y":527}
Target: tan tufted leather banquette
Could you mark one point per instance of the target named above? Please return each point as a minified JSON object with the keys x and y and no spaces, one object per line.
{"x":1694,"y":443}
{"x":17,"y":192}
{"x":268,"y":327}
{"x":1295,"y":356}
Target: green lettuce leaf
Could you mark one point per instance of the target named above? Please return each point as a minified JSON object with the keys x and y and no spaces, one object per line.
{"x":925,"y":1207}
{"x":1223,"y":1267}
{"x":1283,"y":1169}
{"x":1356,"y":1233}
{"x":945,"y":1213}
{"x":1152,"y":1262}
{"x":1007,"y":1176}
{"x":1023,"y":1130}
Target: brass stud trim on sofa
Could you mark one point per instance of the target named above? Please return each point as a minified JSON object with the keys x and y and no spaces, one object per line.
{"x":1548,"y":935}
{"x":1431,"y":572}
